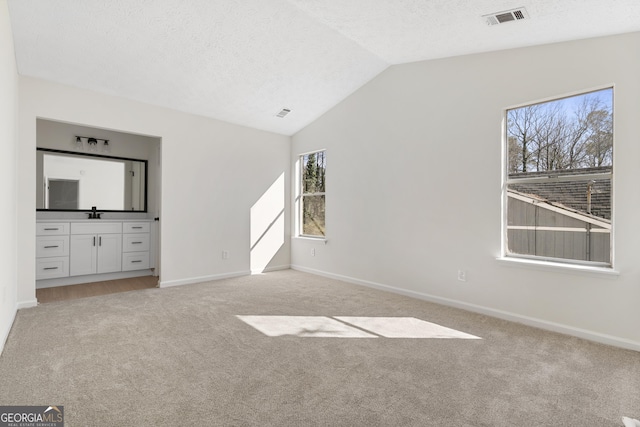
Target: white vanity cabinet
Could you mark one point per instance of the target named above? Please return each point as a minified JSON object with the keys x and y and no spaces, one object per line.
{"x":52,"y":250}
{"x":95,"y":248}
{"x":106,"y":249}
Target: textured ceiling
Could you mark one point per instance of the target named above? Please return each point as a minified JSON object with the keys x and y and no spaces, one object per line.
{"x":242,"y":61}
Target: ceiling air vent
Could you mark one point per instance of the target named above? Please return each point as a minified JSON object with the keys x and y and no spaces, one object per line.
{"x":506,"y":16}
{"x":283,"y":112}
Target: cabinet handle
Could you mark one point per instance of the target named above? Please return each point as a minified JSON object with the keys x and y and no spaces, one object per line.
{"x":47,"y":247}
{"x":138,"y":260}
{"x":100,"y":241}
{"x":135,"y":243}
{"x":136,"y":227}
{"x":50,"y":268}
{"x":94,"y":240}
{"x":51,"y":229}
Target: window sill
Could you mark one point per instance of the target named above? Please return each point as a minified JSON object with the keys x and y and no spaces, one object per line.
{"x":311,"y":239}
{"x":556,"y":266}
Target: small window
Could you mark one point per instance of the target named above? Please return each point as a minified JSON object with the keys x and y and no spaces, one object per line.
{"x":558,"y":179}
{"x":311,"y":203}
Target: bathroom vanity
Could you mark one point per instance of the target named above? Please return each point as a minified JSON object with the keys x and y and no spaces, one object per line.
{"x":78,"y":251}
{"x":92,"y":222}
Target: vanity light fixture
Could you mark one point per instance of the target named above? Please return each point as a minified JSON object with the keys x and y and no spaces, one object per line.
{"x":92,"y":143}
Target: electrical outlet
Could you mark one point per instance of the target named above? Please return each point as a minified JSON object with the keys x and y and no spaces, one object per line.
{"x":313,"y":251}
{"x":462,"y":275}
{"x":225,"y":254}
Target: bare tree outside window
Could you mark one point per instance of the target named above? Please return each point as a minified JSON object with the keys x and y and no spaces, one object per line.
{"x":313,"y":194}
{"x":569,"y":133}
{"x":559,"y":168}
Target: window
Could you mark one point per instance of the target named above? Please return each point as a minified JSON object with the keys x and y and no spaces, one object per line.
{"x":558,"y":179}
{"x":311,"y":202}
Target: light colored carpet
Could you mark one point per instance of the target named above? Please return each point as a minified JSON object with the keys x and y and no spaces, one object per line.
{"x":182,"y":356}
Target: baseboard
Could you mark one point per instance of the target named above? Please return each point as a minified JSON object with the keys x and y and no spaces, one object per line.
{"x":505,"y":315}
{"x":27,"y":304}
{"x":90,"y":278}
{"x":191,"y":280}
{"x":5,"y":333}
{"x":274,"y":268}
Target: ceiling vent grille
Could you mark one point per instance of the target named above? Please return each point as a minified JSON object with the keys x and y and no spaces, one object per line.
{"x":506,"y":16}
{"x":283,"y":112}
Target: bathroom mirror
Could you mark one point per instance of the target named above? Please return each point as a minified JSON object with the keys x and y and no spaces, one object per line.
{"x":68,"y":181}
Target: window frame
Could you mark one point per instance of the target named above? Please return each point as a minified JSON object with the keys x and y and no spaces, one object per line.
{"x":554,"y":177}
{"x":300,"y":195}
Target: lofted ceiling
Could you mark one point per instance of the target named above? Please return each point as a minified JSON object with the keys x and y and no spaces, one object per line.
{"x":243,"y":61}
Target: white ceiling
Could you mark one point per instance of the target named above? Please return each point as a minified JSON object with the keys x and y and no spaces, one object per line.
{"x":242,"y":61}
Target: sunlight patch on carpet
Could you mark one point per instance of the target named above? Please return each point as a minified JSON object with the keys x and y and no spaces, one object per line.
{"x":303,"y":326}
{"x":405,"y":327}
{"x":351,"y":327}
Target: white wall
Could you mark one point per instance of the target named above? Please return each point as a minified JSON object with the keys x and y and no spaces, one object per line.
{"x":414,"y":186}
{"x":8,"y":183}
{"x":212,"y":174}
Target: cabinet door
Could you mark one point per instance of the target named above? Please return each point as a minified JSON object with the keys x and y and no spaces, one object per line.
{"x":109,"y":253}
{"x":82,"y":254}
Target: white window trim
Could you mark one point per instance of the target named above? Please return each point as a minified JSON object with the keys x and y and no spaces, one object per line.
{"x":322,"y":239}
{"x":298,"y":200}
{"x":548,"y":265}
{"x":542,"y":262}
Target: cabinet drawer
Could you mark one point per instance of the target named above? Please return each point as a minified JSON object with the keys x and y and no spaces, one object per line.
{"x":135,"y":227}
{"x":48,"y":246}
{"x":135,"y":242}
{"x":135,"y":261}
{"x":96,"y":227}
{"x":50,"y":268}
{"x":52,"y":228}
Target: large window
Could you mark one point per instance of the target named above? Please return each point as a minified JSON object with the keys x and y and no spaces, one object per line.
{"x":558,"y":179}
{"x":311,"y":202}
